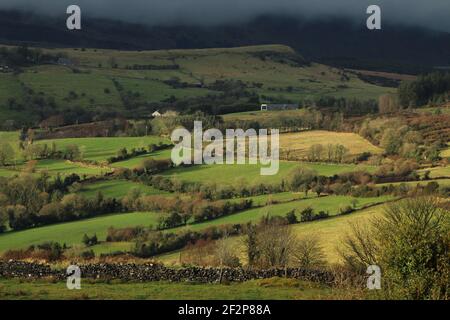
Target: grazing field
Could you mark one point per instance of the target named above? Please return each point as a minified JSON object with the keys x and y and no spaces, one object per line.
{"x":250,"y":174}
{"x":12,"y":138}
{"x":8,"y":172}
{"x":102,"y":148}
{"x":117,"y":188}
{"x":64,"y":167}
{"x":446,"y":153}
{"x":72,"y":232}
{"x":331,"y":231}
{"x":437,"y":172}
{"x":330,"y":204}
{"x":299,"y":143}
{"x":137,"y":161}
{"x":263,"y":289}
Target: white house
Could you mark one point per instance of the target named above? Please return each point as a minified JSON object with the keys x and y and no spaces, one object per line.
{"x":156,"y":114}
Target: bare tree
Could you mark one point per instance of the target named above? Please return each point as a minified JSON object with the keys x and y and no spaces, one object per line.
{"x":308,"y":253}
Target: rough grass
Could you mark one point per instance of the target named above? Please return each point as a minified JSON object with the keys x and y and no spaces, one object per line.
{"x":299,"y":143}
{"x":264,"y":289}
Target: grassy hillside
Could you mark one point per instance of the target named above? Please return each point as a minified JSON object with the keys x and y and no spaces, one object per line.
{"x":99,"y":80}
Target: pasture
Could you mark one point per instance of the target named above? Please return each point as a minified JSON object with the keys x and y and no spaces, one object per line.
{"x":250,"y":174}
{"x":101,"y":148}
{"x":72,"y":232}
{"x":330,"y":204}
{"x":64,"y":167}
{"x":117,"y":189}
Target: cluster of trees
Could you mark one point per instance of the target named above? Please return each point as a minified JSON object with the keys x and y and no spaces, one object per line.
{"x":410,"y":243}
{"x":349,"y":107}
{"x":155,"y":243}
{"x":328,"y":153}
{"x":27,"y":201}
{"x":428,"y":88}
{"x":272,"y":244}
{"x":178,"y":211}
{"x":412,"y":145}
{"x":43,"y":151}
{"x":23,"y":56}
{"x":48,"y":251}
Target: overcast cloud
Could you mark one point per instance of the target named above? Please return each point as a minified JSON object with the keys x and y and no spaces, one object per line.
{"x":431,"y":13}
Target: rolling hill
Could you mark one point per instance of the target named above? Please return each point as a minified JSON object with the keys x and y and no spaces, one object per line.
{"x":108,"y":83}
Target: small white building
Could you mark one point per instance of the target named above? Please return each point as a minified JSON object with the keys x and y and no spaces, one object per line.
{"x":156,"y":114}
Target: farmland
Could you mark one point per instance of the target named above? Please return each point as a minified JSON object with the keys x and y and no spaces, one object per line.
{"x":329,"y":232}
{"x":72,"y":232}
{"x":250,"y":174}
{"x":300,"y":143}
{"x":117,"y":188}
{"x":102,"y":148}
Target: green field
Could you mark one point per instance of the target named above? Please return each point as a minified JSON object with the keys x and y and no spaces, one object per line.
{"x":117,"y":188}
{"x":64,"y":167}
{"x":437,"y":172}
{"x":102,"y":148}
{"x":263,"y":289}
{"x":330,"y":204}
{"x":250,"y":174}
{"x":72,"y":232}
{"x":137,"y":161}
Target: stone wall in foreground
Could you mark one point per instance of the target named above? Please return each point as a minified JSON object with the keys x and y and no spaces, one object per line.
{"x":155,"y":272}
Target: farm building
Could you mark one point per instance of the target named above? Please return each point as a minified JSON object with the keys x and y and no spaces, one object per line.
{"x":65,"y":62}
{"x":274,"y":107}
{"x":156,"y":114}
